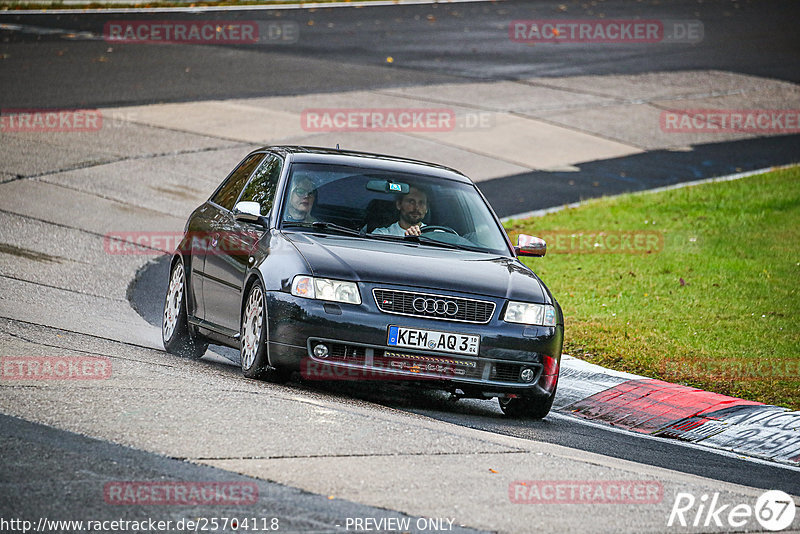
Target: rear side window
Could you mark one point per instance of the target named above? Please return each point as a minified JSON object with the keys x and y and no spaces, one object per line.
{"x":229,"y":191}
{"x":262,"y":187}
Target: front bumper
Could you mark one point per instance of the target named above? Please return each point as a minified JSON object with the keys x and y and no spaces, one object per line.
{"x":355,"y":337}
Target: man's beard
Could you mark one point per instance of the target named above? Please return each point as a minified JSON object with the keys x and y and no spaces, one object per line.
{"x":413,"y":219}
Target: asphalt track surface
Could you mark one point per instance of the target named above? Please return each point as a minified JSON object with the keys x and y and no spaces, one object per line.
{"x":51,"y":470}
{"x":444,"y":43}
{"x":337,"y":51}
{"x":429,"y":44}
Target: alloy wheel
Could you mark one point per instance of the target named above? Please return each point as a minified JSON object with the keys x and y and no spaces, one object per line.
{"x":172,"y":306}
{"x":252,"y":324}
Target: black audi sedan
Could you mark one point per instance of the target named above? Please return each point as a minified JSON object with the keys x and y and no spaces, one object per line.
{"x":357,"y":266}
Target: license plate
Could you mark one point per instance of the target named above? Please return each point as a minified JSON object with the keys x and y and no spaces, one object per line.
{"x":415,"y":338}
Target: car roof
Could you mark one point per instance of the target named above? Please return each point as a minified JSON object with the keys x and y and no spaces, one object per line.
{"x":312,"y":154}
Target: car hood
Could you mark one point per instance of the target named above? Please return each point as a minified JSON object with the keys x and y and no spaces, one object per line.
{"x":418,"y":266}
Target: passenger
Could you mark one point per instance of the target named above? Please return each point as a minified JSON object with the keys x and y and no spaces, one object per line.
{"x":302,"y":196}
{"x":412,"y":208}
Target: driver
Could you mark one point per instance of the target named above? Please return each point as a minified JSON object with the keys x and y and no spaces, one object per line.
{"x":412,"y":208}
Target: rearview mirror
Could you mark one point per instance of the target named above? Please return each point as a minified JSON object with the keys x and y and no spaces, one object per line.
{"x":247,"y":211}
{"x":387,"y":186}
{"x":528,"y":245}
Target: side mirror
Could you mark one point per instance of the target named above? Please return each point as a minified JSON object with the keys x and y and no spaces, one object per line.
{"x":528,"y":245}
{"x":247,"y":211}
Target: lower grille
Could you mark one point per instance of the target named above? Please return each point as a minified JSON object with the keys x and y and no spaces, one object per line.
{"x":425,"y":365}
{"x":510,"y":372}
{"x":346,"y":353}
{"x":506,"y":372}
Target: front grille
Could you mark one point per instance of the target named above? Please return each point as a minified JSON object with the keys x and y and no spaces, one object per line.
{"x":441,"y":307}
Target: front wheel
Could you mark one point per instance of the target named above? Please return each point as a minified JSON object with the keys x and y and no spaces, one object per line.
{"x":527,"y":407}
{"x":253,"y":350}
{"x":175,"y":331}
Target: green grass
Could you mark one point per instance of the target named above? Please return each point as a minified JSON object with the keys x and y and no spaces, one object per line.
{"x":715,"y":305}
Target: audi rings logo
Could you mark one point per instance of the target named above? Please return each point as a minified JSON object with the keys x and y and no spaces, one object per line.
{"x":437,"y":306}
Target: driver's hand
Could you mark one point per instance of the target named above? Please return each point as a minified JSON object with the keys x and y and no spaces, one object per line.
{"x":413,"y":230}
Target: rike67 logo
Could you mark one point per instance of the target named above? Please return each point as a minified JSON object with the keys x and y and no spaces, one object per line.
{"x":774,"y":511}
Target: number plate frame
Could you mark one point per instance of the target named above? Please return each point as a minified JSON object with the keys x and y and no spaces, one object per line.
{"x":434,"y":340}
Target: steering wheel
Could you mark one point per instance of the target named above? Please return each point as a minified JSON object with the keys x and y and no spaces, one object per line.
{"x":426,"y":229}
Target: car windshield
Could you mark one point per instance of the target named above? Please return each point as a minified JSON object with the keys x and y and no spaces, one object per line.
{"x":367,"y":203}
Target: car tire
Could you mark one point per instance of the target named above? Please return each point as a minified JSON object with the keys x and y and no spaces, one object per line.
{"x":253,"y":344}
{"x":175,"y":331}
{"x":527,"y":407}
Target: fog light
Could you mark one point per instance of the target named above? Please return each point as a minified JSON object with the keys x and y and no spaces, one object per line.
{"x":321,"y":351}
{"x":527,"y":374}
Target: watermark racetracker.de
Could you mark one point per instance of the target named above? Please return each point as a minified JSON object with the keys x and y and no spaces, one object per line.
{"x":216,"y":32}
{"x":195,"y":243}
{"x":602,"y":241}
{"x":393,"y":120}
{"x":721,"y":121}
{"x":50,"y":120}
{"x":55,"y":368}
{"x":180,"y":493}
{"x":141,"y":525}
{"x":43,"y":120}
{"x":388,"y":365}
{"x":605,"y":31}
{"x":585,"y":492}
{"x":211,"y":243}
{"x":733,"y":369}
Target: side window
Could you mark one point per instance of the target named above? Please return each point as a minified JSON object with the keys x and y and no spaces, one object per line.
{"x":262,"y":187}
{"x":227,"y":194}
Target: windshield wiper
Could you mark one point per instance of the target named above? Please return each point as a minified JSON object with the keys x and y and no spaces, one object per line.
{"x":322,"y":225}
{"x":428,"y":241}
{"x":458,"y":246}
{"x":424,"y":240}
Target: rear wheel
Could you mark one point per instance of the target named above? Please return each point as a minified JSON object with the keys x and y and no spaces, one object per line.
{"x":253,"y":350}
{"x":527,"y":407}
{"x":175,"y":330}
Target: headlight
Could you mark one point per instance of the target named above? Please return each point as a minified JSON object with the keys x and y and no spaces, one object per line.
{"x":324,"y":289}
{"x":536,"y":314}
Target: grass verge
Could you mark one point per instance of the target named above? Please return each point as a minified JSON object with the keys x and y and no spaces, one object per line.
{"x":698,"y":285}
